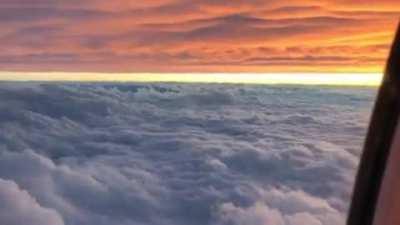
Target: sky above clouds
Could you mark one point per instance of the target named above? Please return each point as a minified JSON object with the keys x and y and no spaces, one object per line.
{"x":196,"y":35}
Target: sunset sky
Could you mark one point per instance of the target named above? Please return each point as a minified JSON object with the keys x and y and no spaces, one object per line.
{"x":196,"y":36}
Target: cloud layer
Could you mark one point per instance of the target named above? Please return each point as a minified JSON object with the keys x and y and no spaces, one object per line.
{"x":196,"y":36}
{"x":18,"y":207}
{"x":85,"y":154}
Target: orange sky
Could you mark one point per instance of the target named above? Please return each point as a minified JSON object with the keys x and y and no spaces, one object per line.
{"x":196,"y":35}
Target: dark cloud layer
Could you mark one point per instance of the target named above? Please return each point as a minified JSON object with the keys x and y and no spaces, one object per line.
{"x":206,"y":30}
{"x":85,"y":154}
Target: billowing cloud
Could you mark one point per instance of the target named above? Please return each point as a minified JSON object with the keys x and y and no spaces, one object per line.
{"x":85,"y":154}
{"x":290,"y":208}
{"x":123,"y":36}
{"x":18,"y":207}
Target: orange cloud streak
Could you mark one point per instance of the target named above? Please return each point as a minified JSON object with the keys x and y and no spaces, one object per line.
{"x":197,"y":35}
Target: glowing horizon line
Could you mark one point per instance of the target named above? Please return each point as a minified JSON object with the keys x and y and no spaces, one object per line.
{"x":352,"y":79}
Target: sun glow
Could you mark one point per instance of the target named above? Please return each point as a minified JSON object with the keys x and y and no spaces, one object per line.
{"x":358,"y":79}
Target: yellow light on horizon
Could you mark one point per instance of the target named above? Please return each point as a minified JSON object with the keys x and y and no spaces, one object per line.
{"x":357,"y":79}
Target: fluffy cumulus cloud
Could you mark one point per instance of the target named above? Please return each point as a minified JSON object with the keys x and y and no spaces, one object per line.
{"x":196,"y":36}
{"x":127,"y":154}
{"x":288,"y":207}
{"x":18,"y":207}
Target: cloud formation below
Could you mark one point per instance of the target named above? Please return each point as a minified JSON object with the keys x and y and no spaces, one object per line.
{"x":196,"y":36}
{"x":18,"y":207}
{"x":85,"y":154}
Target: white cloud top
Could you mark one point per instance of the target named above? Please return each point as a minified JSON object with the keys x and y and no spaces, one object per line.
{"x":101,"y":154}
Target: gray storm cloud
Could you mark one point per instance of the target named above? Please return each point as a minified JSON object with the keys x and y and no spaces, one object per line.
{"x":85,"y":154}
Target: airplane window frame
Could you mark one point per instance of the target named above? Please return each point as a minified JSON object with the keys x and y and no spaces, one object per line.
{"x":378,"y":142}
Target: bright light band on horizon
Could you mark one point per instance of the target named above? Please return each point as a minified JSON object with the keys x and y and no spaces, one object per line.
{"x":357,"y":79}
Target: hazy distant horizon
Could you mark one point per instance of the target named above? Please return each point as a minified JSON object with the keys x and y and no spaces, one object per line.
{"x":304,"y":78}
